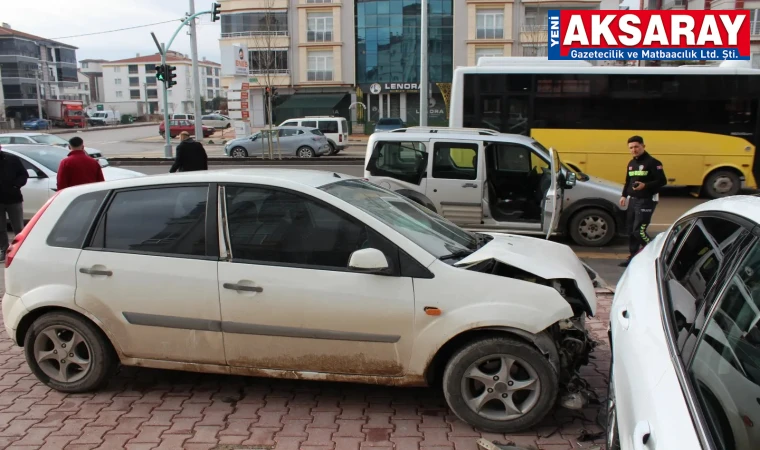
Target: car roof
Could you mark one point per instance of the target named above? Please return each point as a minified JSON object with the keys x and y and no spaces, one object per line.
{"x":266,"y":176}
{"x":23,"y":134}
{"x":747,"y":206}
{"x":25,"y":149}
{"x":422,"y":135}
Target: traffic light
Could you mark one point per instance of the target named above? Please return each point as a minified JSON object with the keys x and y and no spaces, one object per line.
{"x":216,"y":9}
{"x":170,"y":76}
{"x":160,"y":72}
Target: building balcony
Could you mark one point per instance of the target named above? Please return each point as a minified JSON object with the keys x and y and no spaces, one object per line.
{"x":254,"y":34}
{"x":534,"y":35}
{"x":259,"y":78}
{"x":261,"y":41}
{"x":243,"y":5}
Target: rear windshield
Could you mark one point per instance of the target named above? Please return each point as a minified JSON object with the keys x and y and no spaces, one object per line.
{"x":389,"y":122}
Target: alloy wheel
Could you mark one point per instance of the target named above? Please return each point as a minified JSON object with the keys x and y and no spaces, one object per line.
{"x":62,"y":354}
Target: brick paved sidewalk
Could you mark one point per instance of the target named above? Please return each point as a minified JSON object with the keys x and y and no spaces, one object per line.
{"x":146,"y":409}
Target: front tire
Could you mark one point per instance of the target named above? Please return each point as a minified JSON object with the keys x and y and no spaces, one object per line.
{"x":722,"y":183}
{"x":500,"y":385}
{"x":592,"y":227}
{"x":305,"y":152}
{"x":68,"y":353}
{"x":239,"y":152}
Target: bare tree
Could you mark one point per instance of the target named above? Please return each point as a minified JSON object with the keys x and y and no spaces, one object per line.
{"x":533,"y":32}
{"x":267,"y":63}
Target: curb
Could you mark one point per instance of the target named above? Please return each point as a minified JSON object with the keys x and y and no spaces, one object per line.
{"x":240,"y":161}
{"x":114,"y":127}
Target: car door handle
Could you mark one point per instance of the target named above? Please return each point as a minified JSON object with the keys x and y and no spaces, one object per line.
{"x":469,"y":185}
{"x":107,"y":273}
{"x":242,"y":287}
{"x":625,"y":319}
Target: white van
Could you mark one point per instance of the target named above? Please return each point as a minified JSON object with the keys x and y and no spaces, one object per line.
{"x":483,"y":180}
{"x":102,"y":118}
{"x":182,"y":117}
{"x":334,"y":128}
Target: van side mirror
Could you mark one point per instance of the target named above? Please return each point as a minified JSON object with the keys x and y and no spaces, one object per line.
{"x":571,"y":180}
{"x":369,"y":260}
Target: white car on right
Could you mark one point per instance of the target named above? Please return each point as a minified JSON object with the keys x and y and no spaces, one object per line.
{"x":685,"y":335}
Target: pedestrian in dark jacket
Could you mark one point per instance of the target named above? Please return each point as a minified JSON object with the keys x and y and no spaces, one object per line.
{"x":190,"y":155}
{"x":78,"y":167}
{"x":13,"y":177}
{"x":643,"y":180}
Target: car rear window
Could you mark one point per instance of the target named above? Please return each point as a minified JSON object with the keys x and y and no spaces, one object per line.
{"x":71,"y":229}
{"x":328,"y":126}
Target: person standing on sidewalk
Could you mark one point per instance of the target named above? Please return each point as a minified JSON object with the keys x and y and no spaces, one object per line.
{"x":13,"y":177}
{"x":190,"y":155}
{"x":643,"y":181}
{"x":78,"y":167}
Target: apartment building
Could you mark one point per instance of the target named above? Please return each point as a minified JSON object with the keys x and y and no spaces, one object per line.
{"x":133,"y":80}
{"x":303,"y":48}
{"x":78,"y":91}
{"x":23,"y":58}
{"x":92,"y":69}
{"x":752,"y":6}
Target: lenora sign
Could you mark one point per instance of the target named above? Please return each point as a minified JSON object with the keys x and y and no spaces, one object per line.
{"x":649,"y":35}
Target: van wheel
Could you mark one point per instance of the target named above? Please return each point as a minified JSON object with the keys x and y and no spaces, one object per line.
{"x":592,"y":227}
{"x":68,"y":353}
{"x":333,"y":151}
{"x":722,"y":183}
{"x":500,"y":385}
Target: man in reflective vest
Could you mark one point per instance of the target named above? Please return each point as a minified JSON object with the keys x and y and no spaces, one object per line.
{"x":643,"y":181}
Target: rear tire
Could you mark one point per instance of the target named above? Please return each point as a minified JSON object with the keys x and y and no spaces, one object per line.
{"x":333,"y":150}
{"x":592,"y":227}
{"x":722,"y":183}
{"x":64,"y":339}
{"x":305,"y":152}
{"x":499,"y":394}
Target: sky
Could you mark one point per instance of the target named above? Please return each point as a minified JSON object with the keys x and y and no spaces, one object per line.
{"x":76,"y":17}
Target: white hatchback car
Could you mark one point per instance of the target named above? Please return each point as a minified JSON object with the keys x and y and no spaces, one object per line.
{"x":296,"y":274}
{"x":685,"y":335}
{"x":41,"y":163}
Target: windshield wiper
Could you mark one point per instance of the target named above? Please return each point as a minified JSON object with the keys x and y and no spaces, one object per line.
{"x":458,"y":254}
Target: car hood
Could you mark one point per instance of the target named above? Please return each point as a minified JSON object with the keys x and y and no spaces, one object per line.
{"x":542,"y":258}
{"x":115,"y":173}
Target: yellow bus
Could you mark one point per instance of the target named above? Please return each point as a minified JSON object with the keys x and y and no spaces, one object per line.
{"x":702,"y":122}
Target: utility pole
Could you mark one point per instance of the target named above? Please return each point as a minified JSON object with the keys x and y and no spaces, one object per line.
{"x":424,"y":101}
{"x":196,"y":82}
{"x":39,"y":92}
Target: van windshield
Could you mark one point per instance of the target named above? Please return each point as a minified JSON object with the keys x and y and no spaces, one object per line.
{"x":430,"y":231}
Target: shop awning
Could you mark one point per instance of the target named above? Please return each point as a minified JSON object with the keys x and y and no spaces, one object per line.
{"x":311,"y":101}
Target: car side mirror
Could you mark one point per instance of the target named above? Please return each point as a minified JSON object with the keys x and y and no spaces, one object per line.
{"x":368,"y":260}
{"x":32,"y":173}
{"x":571,"y":180}
{"x":103,"y":162}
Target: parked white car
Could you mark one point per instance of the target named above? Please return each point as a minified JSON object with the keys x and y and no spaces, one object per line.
{"x":41,"y":162}
{"x":216,"y":121}
{"x":46,"y":139}
{"x":295,"y":274}
{"x":685,"y":335}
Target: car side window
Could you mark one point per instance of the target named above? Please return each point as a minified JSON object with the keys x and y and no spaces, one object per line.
{"x":71,"y":229}
{"x":725,"y":368}
{"x":287,"y":132}
{"x":328,"y":126}
{"x":309,"y":124}
{"x":692,"y":274}
{"x":27,"y":165}
{"x":290,"y":124}
{"x":273,"y":226}
{"x":5,"y":140}
{"x":401,"y":160}
{"x":169,"y":221}
{"x":455,"y":160}
{"x":513,"y":158}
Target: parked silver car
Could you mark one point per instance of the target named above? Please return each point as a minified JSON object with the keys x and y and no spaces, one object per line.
{"x":302,"y":142}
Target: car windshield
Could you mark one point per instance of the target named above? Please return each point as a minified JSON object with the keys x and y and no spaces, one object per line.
{"x":430,"y":231}
{"x":50,"y":139}
{"x":50,"y":157}
{"x":389,"y":121}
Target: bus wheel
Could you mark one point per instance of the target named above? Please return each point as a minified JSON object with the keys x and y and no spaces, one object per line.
{"x":722,"y":183}
{"x":592,"y":227}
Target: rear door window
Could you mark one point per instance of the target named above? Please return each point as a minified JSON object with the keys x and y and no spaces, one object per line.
{"x":290,"y":124}
{"x":455,"y":161}
{"x":328,"y":126}
{"x":168,"y":221}
{"x":309,"y":124}
{"x":405,"y":161}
